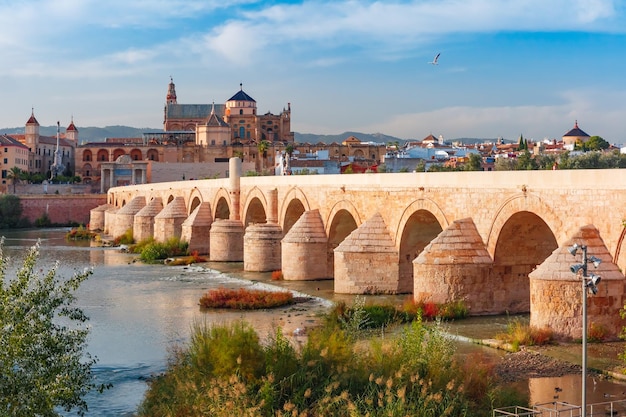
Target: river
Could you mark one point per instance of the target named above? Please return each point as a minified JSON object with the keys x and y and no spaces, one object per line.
{"x":138,"y":312}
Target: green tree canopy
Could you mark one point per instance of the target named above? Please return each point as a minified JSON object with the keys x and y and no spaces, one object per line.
{"x":474,"y":162}
{"x":595,"y":143}
{"x":10,"y":211}
{"x":43,"y":363}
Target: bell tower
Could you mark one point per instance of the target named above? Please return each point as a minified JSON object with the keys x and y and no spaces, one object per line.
{"x":171,"y":93}
{"x":71,"y":133}
{"x":31,"y":131}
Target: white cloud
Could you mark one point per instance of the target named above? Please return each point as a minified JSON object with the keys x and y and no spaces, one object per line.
{"x":402,"y":25}
{"x":597,"y":112}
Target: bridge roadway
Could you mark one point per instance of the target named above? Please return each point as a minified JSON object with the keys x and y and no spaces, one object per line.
{"x":496,"y":240}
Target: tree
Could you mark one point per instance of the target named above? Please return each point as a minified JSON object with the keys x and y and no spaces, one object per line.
{"x":10,"y":211}
{"x":474,"y":162}
{"x":14,"y":174}
{"x":525,"y":161}
{"x":43,"y":363}
{"x":289,"y":149}
{"x":263,"y":146}
{"x":595,"y":143}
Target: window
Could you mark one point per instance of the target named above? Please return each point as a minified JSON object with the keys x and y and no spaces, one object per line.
{"x":241,"y":111}
{"x":6,"y":161}
{"x":6,"y":149}
{"x":213,"y":142}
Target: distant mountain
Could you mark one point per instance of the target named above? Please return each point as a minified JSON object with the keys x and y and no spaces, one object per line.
{"x":89,"y":134}
{"x":99,"y":134}
{"x":313,"y":138}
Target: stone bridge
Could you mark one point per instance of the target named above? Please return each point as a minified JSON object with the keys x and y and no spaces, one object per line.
{"x":495,"y":240}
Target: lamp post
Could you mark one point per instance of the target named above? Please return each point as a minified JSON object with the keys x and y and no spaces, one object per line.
{"x":590,"y":283}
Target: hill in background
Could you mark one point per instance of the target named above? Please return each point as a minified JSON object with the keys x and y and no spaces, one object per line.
{"x":99,"y":134}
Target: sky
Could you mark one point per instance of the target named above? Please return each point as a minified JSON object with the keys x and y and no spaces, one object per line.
{"x":507,"y":68}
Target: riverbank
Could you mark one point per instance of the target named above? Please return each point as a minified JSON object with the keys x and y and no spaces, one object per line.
{"x":552,"y":360}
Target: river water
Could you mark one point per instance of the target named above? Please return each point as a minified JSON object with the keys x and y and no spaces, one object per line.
{"x":139,"y":312}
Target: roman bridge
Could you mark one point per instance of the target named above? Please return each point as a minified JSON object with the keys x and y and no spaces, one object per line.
{"x":495,"y":240}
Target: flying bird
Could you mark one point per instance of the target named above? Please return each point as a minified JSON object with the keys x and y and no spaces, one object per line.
{"x":434,"y":61}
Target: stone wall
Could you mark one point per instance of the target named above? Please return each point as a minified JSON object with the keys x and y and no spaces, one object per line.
{"x":179,"y":171}
{"x":61,"y":209}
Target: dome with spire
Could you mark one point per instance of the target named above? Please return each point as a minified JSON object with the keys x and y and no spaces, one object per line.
{"x":241,"y":95}
{"x":574,"y":135}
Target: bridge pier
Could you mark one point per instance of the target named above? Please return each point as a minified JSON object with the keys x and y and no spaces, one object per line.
{"x":304,"y":249}
{"x":227,"y":235}
{"x":456,"y":266}
{"x":261,"y":247}
{"x":226,"y":238}
{"x":168,"y":223}
{"x":96,"y":217}
{"x":556,"y":292}
{"x":196,"y":229}
{"x":366,"y":262}
{"x":125,"y":217}
{"x":143,"y":225}
{"x":109,"y":219}
{"x":261,"y":242}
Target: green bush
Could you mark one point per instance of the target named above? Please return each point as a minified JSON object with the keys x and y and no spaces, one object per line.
{"x":43,"y":221}
{"x":154,"y":251}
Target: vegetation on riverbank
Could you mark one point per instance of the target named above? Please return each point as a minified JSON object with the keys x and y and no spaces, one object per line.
{"x":151,"y":251}
{"x":519,"y":333}
{"x":245,"y":299}
{"x":80,"y":233}
{"x":339,"y":371}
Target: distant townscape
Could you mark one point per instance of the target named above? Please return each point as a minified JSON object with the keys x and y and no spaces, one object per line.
{"x":197,"y":140}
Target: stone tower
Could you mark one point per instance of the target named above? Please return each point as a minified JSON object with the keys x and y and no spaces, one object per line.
{"x":71,"y":133}
{"x":32,"y":132}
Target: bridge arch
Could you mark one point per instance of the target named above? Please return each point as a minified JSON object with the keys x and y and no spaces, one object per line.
{"x":221,"y":203}
{"x":524,"y":242}
{"x":255,"y":207}
{"x":520,"y":203}
{"x":419,"y":224}
{"x":194,"y":199}
{"x":521,"y":237}
{"x":295,"y":203}
{"x":293,"y":212}
{"x":341,"y":221}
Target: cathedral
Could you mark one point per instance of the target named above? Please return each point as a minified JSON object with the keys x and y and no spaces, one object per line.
{"x":236,"y":121}
{"x":201,"y":136}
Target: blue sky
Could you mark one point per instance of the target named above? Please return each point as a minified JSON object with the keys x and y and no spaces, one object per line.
{"x":530,"y":67}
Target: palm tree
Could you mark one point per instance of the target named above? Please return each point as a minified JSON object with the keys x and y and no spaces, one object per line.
{"x":263,"y":147}
{"x":14,"y":174}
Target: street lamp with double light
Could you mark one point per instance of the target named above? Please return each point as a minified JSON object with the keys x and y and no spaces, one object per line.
{"x":590,"y":283}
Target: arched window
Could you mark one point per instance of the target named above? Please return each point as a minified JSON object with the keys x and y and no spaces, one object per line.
{"x":242,"y":132}
{"x":241,"y":111}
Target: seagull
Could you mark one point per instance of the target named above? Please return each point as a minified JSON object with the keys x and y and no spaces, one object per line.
{"x":434,"y":61}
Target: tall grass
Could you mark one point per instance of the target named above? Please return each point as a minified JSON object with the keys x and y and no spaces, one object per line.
{"x":226,"y":370}
{"x":520,"y":333}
